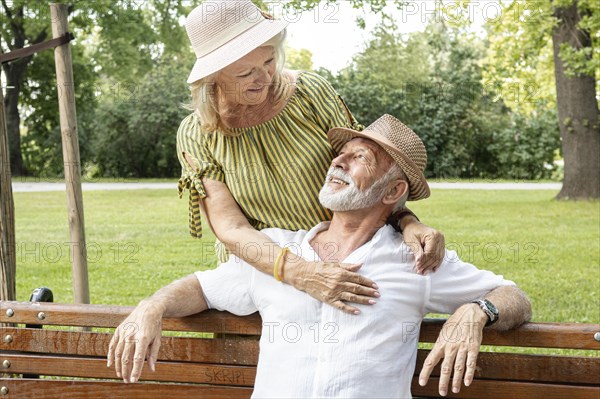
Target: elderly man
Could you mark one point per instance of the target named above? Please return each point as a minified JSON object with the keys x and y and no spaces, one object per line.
{"x":311,"y":349}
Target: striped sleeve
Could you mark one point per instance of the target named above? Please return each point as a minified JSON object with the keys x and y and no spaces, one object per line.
{"x":192,"y":148}
{"x":330,"y":108}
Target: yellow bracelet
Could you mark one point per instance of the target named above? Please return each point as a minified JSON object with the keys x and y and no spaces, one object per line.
{"x":276,"y":266}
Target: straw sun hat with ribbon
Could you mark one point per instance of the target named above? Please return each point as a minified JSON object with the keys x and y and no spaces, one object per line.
{"x":223,"y":31}
{"x":398,"y":140}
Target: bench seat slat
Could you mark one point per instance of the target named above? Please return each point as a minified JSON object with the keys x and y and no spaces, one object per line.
{"x":86,"y":367}
{"x":508,"y":389}
{"x":58,"y":389}
{"x":204,"y":350}
{"x":530,"y":368}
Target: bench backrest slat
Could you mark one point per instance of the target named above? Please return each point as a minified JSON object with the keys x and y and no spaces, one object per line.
{"x":530,"y":368}
{"x":205,"y":350}
{"x":508,"y":389}
{"x":86,"y":367}
{"x":58,"y":314}
{"x":56,"y":389}
{"x":540,"y":335}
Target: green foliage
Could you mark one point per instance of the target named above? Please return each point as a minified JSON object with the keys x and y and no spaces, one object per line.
{"x":300,"y":60}
{"x":41,"y":141}
{"x":525,"y":149}
{"x":463,"y":106}
{"x":577,"y":61}
{"x":432,"y":81}
{"x":125,"y":38}
{"x":116,"y":45}
{"x":135,"y":128}
{"x":520,"y":52}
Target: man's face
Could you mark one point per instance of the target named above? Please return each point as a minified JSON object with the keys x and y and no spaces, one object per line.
{"x":354,"y":179}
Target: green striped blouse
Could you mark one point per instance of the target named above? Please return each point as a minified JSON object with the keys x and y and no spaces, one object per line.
{"x":274,"y":170}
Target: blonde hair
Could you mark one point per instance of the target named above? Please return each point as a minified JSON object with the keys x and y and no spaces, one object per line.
{"x":204,"y":101}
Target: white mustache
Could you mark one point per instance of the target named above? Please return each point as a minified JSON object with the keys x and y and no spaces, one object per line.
{"x":339,"y":174}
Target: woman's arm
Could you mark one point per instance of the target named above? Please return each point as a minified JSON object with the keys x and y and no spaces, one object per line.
{"x":328,"y":282}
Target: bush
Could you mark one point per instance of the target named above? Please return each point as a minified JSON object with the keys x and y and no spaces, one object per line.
{"x":432,"y":82}
{"x":526,"y":148}
{"x":135,"y":130}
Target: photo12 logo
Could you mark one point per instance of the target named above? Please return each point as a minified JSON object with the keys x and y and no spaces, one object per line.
{"x":55,"y":252}
{"x":466,"y":12}
{"x":292,"y":332}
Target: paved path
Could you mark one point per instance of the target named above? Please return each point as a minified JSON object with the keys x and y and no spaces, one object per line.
{"x":19,"y":187}
{"x":41,"y":187}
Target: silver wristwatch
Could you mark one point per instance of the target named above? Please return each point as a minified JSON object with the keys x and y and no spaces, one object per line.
{"x":490,"y":310}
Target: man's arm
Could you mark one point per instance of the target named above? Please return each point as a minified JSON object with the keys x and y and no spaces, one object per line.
{"x":459,"y":341}
{"x":138,"y":336}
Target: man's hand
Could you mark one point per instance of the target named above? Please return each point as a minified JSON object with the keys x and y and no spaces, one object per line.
{"x":136,"y":339}
{"x":458,"y":344}
{"x":427,"y":244}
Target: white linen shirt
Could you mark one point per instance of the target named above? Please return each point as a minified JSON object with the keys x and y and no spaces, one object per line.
{"x":309,"y":349}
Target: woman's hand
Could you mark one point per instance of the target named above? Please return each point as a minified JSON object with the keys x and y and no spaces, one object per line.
{"x":427,"y":244}
{"x":332,"y":283}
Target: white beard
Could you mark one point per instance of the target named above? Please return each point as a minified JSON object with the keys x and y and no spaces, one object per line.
{"x":350,"y":198}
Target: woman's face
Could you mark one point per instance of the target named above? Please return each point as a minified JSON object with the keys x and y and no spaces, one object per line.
{"x":247,"y":81}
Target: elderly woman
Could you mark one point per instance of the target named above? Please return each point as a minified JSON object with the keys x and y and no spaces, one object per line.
{"x":254,"y":152}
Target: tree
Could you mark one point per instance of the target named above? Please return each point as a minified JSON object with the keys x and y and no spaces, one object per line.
{"x":521,"y":43}
{"x":577,"y":104}
{"x":116,"y":42}
{"x":23,"y":24}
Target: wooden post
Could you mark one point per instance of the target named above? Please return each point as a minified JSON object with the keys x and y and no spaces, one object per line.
{"x":70,"y":145}
{"x":7,"y":215}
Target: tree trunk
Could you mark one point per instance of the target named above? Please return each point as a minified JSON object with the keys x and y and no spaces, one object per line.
{"x":7,"y":218}
{"x":14,"y":75}
{"x":577,"y":113}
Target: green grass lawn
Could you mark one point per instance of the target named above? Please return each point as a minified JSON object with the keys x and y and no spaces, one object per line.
{"x":138,"y":242}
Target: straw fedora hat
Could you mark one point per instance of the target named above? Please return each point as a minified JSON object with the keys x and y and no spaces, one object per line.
{"x":223,"y":31}
{"x":398,"y":140}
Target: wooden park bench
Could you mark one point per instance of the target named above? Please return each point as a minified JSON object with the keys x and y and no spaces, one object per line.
{"x":62,"y":360}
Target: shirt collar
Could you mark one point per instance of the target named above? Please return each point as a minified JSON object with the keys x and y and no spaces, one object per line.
{"x":357,"y":256}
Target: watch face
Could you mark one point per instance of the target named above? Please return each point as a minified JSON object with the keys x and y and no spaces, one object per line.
{"x":491,"y":308}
